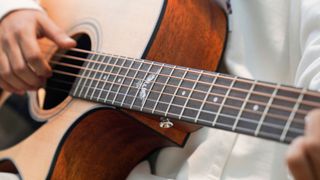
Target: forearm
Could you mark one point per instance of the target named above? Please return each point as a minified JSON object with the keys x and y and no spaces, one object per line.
{"x":7,"y":6}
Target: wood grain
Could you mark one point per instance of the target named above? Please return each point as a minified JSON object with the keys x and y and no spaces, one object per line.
{"x":105,"y":145}
{"x":192,"y":33}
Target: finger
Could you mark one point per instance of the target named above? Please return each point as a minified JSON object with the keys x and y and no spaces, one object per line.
{"x":4,"y":85}
{"x":20,"y":75}
{"x":54,"y":33}
{"x":298,"y":162}
{"x":313,"y":139}
{"x":313,"y":149}
{"x":32,"y":55}
{"x":4,"y":71}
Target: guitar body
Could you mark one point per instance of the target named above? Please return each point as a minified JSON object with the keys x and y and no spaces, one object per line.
{"x":77,"y":139}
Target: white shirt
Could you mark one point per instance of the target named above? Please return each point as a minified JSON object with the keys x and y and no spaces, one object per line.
{"x":271,"y":40}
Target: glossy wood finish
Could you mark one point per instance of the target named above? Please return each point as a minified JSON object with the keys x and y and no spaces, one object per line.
{"x":108,"y":144}
{"x":192,"y":33}
{"x":105,"y":145}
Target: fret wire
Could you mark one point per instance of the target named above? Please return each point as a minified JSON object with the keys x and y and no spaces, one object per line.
{"x":164,"y":86}
{"x":108,"y":76}
{"x":94,"y":76}
{"x":190,"y":93}
{"x":271,"y":115}
{"x":175,"y":92}
{"x":214,"y":113}
{"x":224,"y":115}
{"x":206,"y":98}
{"x":123,"y":79}
{"x":91,"y":72}
{"x":103,"y":75}
{"x":80,"y":79}
{"x":237,"y":89}
{"x":132,"y":80}
{"x":139,"y":89}
{"x":292,"y":114}
{"x":154,"y":82}
{"x":223,"y":101}
{"x":244,"y":105}
{"x":291,"y":89}
{"x":116,"y":76}
{"x":216,"y":104}
{"x":266,"y":109}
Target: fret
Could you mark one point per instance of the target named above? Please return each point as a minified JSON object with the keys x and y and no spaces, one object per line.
{"x":163,"y":88}
{"x":91,"y":77}
{"x":289,"y":121}
{"x":131,"y":89}
{"x":116,"y":79}
{"x":175,"y":92}
{"x":223,"y":101}
{"x":296,"y":127}
{"x":155,"y":78}
{"x":123,"y":80}
{"x":190,"y":93}
{"x":206,"y":99}
{"x":141,"y":84}
{"x":313,"y":99}
{"x":107,"y":83}
{"x":103,"y":77}
{"x":233,"y":102}
{"x":243,"y":105}
{"x":83,"y":76}
{"x":100,"y":72}
{"x":266,"y":109}
{"x":157,"y":87}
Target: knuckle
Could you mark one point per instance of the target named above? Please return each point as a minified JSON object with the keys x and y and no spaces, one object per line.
{"x":312,"y":146}
{"x":33,"y":57}
{"x":6,"y":40}
{"x":19,"y":69}
{"x":5,"y":74}
{"x":292,"y":159}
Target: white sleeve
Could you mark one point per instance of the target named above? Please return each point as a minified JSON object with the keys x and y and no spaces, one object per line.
{"x":308,"y":72}
{"x":6,"y":6}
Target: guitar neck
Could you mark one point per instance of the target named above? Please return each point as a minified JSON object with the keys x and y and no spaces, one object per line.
{"x":255,"y":108}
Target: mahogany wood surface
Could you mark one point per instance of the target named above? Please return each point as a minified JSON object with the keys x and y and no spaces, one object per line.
{"x":108,"y":144}
{"x":192,"y":33}
{"x":105,"y":145}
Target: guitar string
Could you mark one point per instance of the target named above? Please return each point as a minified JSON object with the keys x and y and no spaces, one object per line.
{"x":279,"y":117}
{"x":292,"y":89}
{"x":184,"y":88}
{"x":288,"y":137}
{"x":190,"y":108}
{"x":212,"y":94}
{"x":296,"y":120}
{"x":285,"y":98}
{"x":266,"y":124}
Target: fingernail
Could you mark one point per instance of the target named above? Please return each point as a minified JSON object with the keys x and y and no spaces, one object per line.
{"x":69,"y":39}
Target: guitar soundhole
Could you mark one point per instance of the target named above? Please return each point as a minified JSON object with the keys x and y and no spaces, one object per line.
{"x":66,"y":66}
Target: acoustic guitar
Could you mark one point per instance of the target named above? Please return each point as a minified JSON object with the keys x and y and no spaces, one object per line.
{"x":107,"y":107}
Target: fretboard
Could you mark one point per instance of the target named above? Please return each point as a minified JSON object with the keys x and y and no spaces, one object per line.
{"x":255,"y":108}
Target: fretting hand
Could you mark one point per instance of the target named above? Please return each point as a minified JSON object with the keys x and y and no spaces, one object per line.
{"x":303,"y":157}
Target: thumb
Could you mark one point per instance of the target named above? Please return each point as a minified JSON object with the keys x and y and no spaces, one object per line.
{"x":54,"y":33}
